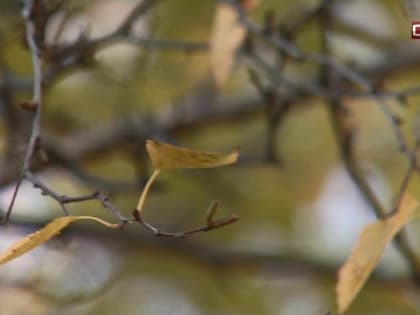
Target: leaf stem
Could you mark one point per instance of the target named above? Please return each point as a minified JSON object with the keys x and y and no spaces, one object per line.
{"x":142,"y":199}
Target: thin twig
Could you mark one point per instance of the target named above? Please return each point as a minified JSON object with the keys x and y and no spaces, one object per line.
{"x":210,"y":224}
{"x":412,"y":166}
{"x":139,"y":10}
{"x":63,"y":200}
{"x":294,"y":52}
{"x":28,"y":15}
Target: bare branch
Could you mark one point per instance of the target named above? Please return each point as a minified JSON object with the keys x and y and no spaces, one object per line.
{"x":29,"y":12}
{"x":210,"y":225}
{"x":345,"y":141}
{"x":63,"y":200}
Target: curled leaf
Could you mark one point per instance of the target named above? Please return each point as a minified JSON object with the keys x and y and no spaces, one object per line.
{"x":167,"y":156}
{"x":41,"y":236}
{"x":368,"y":251}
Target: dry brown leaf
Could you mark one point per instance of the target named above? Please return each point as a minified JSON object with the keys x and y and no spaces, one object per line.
{"x":167,"y":156}
{"x":41,"y":236}
{"x":227,"y":35}
{"x":368,"y":251}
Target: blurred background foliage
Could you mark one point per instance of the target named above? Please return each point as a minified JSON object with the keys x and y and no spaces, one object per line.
{"x":298,"y":218}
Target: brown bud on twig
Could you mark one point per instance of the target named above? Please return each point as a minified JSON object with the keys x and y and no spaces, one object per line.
{"x":28,"y":106}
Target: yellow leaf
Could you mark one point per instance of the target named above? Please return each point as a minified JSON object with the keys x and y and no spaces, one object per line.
{"x":368,"y":251}
{"x":41,"y":236}
{"x":227,"y":36}
{"x":167,"y":156}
